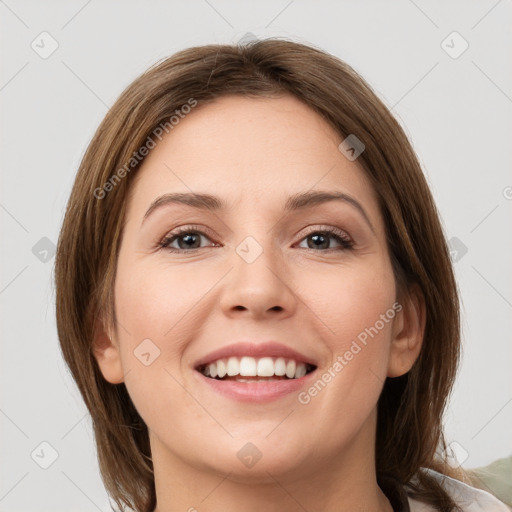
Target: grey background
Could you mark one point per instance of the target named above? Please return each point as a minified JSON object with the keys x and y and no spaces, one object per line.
{"x":457,"y":112}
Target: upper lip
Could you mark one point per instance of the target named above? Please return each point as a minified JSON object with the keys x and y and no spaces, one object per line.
{"x":263,"y":349}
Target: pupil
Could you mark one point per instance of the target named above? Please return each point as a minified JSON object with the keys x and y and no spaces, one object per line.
{"x":324,"y":243}
{"x":188,"y":238}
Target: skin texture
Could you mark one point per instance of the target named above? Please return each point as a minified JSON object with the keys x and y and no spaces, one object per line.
{"x":253,"y":154}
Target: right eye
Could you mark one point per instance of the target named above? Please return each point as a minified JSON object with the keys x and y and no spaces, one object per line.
{"x":187,"y":239}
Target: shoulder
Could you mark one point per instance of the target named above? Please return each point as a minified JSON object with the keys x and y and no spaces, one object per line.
{"x":470,"y":499}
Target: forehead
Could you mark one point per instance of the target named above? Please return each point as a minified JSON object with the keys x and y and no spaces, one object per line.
{"x":252,"y":152}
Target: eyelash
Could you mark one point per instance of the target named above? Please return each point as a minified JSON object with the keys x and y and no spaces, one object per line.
{"x":340,"y":236}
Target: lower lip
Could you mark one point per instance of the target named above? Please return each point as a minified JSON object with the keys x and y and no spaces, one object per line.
{"x":260,"y":391}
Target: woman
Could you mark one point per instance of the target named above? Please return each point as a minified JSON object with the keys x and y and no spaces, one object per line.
{"x":254,"y":292}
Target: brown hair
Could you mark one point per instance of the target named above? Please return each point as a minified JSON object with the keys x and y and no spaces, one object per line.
{"x":411,"y":407}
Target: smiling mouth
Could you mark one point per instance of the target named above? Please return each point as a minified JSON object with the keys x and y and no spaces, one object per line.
{"x":251,"y":369}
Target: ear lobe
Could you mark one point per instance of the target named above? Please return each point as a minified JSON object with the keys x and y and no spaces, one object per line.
{"x":408,"y":332}
{"x":107,"y":355}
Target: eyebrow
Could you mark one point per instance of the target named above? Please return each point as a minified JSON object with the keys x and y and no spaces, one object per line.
{"x":295,"y":202}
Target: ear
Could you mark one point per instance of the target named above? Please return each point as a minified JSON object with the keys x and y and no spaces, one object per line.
{"x":408,"y":331}
{"x":107,"y":354}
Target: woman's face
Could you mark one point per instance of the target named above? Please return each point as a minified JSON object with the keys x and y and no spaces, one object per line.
{"x":262,"y":278}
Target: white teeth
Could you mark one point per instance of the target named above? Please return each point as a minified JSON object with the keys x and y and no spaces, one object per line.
{"x":233,"y":366}
{"x":300,"y":371}
{"x":265,"y":367}
{"x":221,"y":368}
{"x":252,"y":367}
{"x":248,"y":367}
{"x":241,"y":379}
{"x":280,"y":366}
{"x":290,"y":369}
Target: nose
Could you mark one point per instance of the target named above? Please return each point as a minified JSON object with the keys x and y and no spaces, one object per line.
{"x":258,"y":289}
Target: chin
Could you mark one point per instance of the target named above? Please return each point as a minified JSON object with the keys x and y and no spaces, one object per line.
{"x":258,"y":460}
{"x":265,"y":470}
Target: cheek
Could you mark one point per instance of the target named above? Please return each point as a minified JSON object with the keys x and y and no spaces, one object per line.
{"x":161,"y":303}
{"x":356,"y":308}
{"x":161,"y":309}
{"x":151,"y":307}
{"x":349,"y":300}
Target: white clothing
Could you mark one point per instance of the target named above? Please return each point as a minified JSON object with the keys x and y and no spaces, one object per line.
{"x":470,"y":499}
